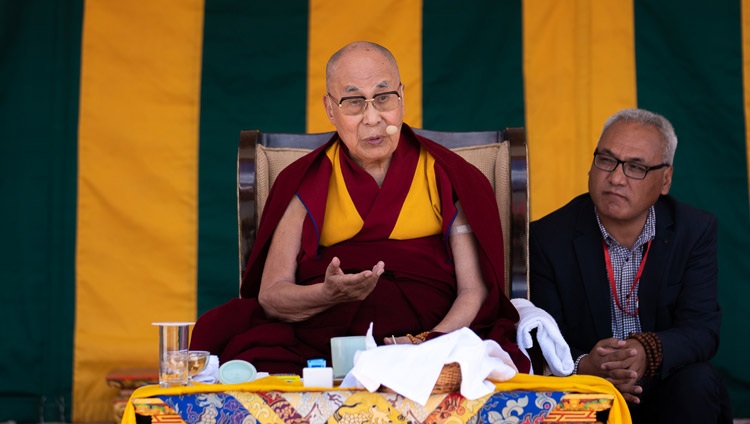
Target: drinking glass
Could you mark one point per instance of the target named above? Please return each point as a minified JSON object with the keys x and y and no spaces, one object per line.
{"x":173,"y":353}
{"x":197,"y":361}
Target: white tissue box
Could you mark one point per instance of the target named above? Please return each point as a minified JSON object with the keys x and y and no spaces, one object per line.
{"x":317,"y":377}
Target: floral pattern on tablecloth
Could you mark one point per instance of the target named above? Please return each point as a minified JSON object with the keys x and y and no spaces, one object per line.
{"x":360,"y":407}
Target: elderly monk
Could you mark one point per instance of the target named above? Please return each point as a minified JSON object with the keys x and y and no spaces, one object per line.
{"x":378,"y":225}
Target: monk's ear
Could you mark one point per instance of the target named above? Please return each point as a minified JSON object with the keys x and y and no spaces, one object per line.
{"x":328,"y":105}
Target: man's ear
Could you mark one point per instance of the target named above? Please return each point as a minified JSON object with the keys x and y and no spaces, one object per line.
{"x":328,"y":107}
{"x":667,"y":180}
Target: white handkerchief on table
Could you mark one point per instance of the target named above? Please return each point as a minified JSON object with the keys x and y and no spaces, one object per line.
{"x":412,"y":370}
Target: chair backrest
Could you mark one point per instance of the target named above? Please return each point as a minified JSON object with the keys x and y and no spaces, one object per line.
{"x":502,"y":156}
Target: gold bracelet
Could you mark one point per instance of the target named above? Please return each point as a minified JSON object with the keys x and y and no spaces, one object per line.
{"x":419,"y":338}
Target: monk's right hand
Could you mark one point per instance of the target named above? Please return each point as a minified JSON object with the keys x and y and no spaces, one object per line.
{"x":343,"y":287}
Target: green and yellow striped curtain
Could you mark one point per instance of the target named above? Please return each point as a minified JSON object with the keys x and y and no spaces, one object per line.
{"x":120,"y":119}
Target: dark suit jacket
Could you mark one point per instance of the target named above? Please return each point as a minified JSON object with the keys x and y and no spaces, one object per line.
{"x":677,"y":291}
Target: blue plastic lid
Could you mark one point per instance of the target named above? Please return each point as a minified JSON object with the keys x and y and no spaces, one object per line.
{"x":236,"y":371}
{"x":316,"y":363}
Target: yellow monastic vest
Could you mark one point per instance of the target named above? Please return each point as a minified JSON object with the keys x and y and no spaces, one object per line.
{"x":420,"y":214}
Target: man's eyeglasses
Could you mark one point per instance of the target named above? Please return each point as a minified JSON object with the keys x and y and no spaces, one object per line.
{"x":355,"y":105}
{"x":634,"y":170}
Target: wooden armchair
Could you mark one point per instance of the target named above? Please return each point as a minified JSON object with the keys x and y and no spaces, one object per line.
{"x":501,"y":155}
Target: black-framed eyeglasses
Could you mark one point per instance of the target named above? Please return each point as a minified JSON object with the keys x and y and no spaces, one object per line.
{"x":355,"y":105}
{"x":634,"y":170}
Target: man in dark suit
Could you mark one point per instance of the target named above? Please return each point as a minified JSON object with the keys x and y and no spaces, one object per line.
{"x":630,"y":276}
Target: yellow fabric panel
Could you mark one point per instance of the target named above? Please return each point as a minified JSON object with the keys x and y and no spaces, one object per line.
{"x":137,"y":186}
{"x":342,"y":220}
{"x":421,"y":214}
{"x":746,"y":77}
{"x":394,"y":24}
{"x":579,"y":68}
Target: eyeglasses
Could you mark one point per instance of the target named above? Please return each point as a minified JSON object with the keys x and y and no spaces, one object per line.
{"x":355,"y":105}
{"x":634,"y":170}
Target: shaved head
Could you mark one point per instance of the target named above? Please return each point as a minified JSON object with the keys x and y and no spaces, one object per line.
{"x":364,"y":46}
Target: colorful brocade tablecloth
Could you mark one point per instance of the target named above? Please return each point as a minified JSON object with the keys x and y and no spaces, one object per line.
{"x":523,"y":399}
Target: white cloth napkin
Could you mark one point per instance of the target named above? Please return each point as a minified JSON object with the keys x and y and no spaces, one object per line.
{"x":412,"y":370}
{"x":554,"y":348}
{"x":209,"y":375}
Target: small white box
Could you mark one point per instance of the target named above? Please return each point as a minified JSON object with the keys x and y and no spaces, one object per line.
{"x":317,"y":377}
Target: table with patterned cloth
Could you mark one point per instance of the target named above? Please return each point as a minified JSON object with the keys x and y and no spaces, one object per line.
{"x":523,"y":399}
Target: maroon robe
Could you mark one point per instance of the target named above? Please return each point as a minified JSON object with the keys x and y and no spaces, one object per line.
{"x":412,"y":296}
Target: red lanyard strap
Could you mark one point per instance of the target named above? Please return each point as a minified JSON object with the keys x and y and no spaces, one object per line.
{"x":611,"y":277}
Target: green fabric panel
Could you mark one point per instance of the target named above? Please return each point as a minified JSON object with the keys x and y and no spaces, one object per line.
{"x":254,"y":77}
{"x":689,"y":68}
{"x":40,"y":67}
{"x":472,"y":65}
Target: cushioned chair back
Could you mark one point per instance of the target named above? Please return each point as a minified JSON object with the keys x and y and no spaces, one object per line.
{"x":500,"y":155}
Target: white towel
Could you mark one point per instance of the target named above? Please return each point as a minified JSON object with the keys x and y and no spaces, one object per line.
{"x":554,"y":348}
{"x":412,"y":370}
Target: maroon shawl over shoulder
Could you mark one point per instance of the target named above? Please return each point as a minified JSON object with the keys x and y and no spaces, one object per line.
{"x":412,"y":296}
